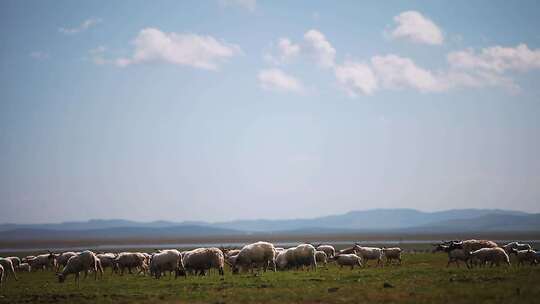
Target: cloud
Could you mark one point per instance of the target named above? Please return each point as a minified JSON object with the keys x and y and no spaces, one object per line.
{"x":39,"y":55}
{"x":497,"y":59}
{"x":322,"y":50}
{"x":82,"y":27}
{"x":246,"y":4}
{"x":277,"y":80}
{"x":286,"y":50}
{"x":398,"y":72}
{"x":204,"y":52}
{"x":356,"y":78}
{"x":413,"y":26}
{"x":97,"y":55}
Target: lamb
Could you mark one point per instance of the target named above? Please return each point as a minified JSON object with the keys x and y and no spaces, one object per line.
{"x":8,"y":268}
{"x":84,"y":261}
{"x":166,"y":260}
{"x":515,"y":245}
{"x":24,"y":267}
{"x":107,"y":260}
{"x":522,"y":256}
{"x":321,"y":257}
{"x":285,"y":259}
{"x":259,"y":254}
{"x":493,"y":255}
{"x":350,"y":259}
{"x":454,"y":255}
{"x":328,"y":250}
{"x":131,"y":260}
{"x":369,"y":253}
{"x":62,"y":259}
{"x":392,"y":254}
{"x":202,"y":259}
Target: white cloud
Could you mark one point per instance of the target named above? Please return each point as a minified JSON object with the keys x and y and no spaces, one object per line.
{"x":398,"y":72}
{"x":277,"y":80}
{"x":497,"y":59}
{"x":414,"y":26}
{"x":82,"y":27}
{"x":356,"y":78}
{"x":97,"y":55}
{"x":286,"y":50}
{"x":204,"y":52}
{"x":247,"y":4}
{"x":39,"y":55}
{"x":323,"y":51}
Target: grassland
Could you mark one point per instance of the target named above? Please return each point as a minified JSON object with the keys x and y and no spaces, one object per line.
{"x":423,"y":278}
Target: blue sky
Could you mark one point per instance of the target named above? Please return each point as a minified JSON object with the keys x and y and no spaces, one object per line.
{"x":218,"y":110}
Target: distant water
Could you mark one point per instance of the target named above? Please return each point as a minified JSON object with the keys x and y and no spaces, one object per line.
{"x":119,"y":247}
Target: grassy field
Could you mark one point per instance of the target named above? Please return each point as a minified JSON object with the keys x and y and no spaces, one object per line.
{"x":422,"y":278}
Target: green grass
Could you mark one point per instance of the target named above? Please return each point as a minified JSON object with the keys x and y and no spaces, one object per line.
{"x":421,"y":278}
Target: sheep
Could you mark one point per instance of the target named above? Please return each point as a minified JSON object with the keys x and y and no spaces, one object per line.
{"x":304,"y":255}
{"x":493,"y":255}
{"x":472,"y":245}
{"x":259,"y":254}
{"x":42,"y":261}
{"x":131,"y":260}
{"x":392,"y":254}
{"x":515,"y":245}
{"x":107,"y":260}
{"x":166,"y":260}
{"x":62,"y":259}
{"x":321,"y":257}
{"x":202,"y":259}
{"x":24,"y":267}
{"x":7,"y":264}
{"x":15,"y":260}
{"x":328,"y":249}
{"x":1,"y":275}
{"x":84,"y":261}
{"x":454,"y":255}
{"x":350,"y":259}
{"x":522,"y":256}
{"x":348,"y":250}
{"x":369,"y":253}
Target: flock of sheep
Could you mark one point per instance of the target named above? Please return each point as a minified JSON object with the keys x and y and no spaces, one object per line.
{"x":259,"y":255}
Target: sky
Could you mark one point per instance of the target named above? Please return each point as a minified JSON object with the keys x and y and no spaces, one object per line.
{"x":243,"y":109}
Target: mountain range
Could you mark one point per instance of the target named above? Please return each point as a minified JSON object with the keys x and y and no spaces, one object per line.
{"x":376,"y":220}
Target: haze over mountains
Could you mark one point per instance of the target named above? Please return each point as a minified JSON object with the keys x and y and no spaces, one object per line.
{"x":376,"y":220}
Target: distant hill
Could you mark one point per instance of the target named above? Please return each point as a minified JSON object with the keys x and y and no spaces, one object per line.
{"x":376,"y":220}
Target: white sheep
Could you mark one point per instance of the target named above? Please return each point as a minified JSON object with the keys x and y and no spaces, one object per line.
{"x":204,"y":259}
{"x":495,"y":256}
{"x":166,"y":260}
{"x":321,"y":257}
{"x":131,"y":260}
{"x":370,"y":253}
{"x":15,"y":260}
{"x":258,"y":254}
{"x":472,"y":245}
{"x":328,"y":249}
{"x":42,"y":261}
{"x":304,"y":255}
{"x":350,"y":259}
{"x":392,"y":254}
{"x":7,"y":264}
{"x":84,"y":261}
{"x":1,"y":275}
